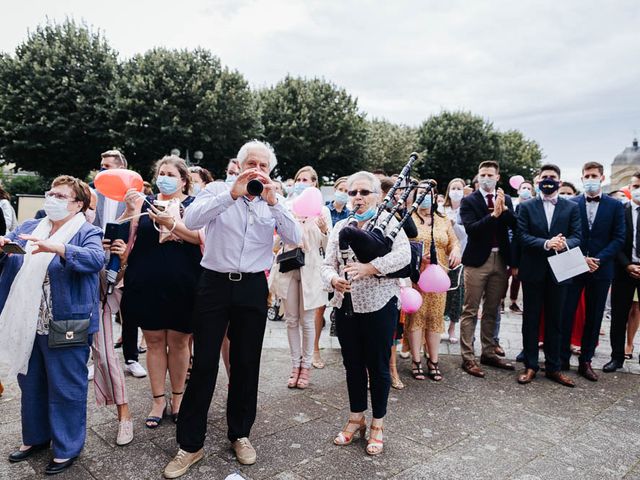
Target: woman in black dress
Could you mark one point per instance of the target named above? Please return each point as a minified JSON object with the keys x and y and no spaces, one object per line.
{"x":162,"y":270}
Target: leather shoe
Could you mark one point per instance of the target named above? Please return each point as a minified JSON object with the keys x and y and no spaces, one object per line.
{"x":20,"y":455}
{"x":56,"y":467}
{"x":526,"y":377}
{"x":497,"y":362}
{"x":587,"y":372}
{"x":472,"y":368}
{"x":612,"y":366}
{"x":560,"y":378}
{"x":498,"y":350}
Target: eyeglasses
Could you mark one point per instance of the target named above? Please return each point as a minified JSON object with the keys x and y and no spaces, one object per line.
{"x":59,"y":196}
{"x":363,"y":193}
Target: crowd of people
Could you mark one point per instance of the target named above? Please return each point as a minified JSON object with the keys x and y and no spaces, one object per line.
{"x":211,"y":255}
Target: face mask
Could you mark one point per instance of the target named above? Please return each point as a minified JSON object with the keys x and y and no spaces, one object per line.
{"x":568,"y":196}
{"x":537,"y":189}
{"x":195,"y":189}
{"x":456,"y":195}
{"x":487,"y":184}
{"x":56,"y":209}
{"x":635,"y":194}
{"x":549,"y":186}
{"x":525,"y":194}
{"x":90,"y":215}
{"x":426,"y":203}
{"x":102,"y":169}
{"x":440,"y":208}
{"x":624,"y":200}
{"x":167,"y":185}
{"x":591,"y":186}
{"x":368,"y":215}
{"x":230,"y":178}
{"x":299,"y":187}
{"x":341,"y":197}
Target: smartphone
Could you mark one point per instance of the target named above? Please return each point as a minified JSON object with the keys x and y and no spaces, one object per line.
{"x":114,"y":231}
{"x":13,"y":247}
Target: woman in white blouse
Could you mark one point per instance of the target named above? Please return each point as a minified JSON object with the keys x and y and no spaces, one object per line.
{"x":367,"y":336}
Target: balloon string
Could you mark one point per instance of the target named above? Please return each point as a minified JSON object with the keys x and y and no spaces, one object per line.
{"x":132,"y":217}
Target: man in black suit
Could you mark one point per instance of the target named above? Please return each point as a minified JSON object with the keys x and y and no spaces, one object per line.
{"x":487,"y":215}
{"x":546,"y":225}
{"x":602,"y":237}
{"x":627,"y":278}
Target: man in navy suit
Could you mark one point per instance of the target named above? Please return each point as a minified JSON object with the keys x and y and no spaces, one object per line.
{"x":546,"y":225}
{"x":487,"y":215}
{"x":603,"y":232}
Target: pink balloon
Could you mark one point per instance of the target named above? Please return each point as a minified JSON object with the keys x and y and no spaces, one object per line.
{"x":516,"y":181}
{"x":434,"y":280}
{"x":308,"y":203}
{"x":410,"y":299}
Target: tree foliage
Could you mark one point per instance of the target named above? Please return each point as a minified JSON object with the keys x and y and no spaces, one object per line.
{"x":389,"y":145}
{"x":56,"y":100}
{"x":518,"y":155}
{"x":183,"y":99}
{"x":313,"y":122}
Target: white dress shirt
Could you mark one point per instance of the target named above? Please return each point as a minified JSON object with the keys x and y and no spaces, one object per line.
{"x":549,"y":207}
{"x":592,"y":209}
{"x":109,"y":212}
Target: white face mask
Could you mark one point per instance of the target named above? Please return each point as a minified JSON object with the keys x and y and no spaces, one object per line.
{"x":90,"y":215}
{"x":456,"y":195}
{"x":56,"y":208}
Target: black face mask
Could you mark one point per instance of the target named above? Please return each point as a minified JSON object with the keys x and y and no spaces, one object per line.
{"x":548,"y":186}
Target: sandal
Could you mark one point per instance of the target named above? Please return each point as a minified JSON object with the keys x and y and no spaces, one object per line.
{"x":396,"y":382}
{"x":154,"y":422}
{"x":374,"y":446}
{"x":174,"y":415}
{"x":303,"y":379}
{"x":433,"y":371}
{"x":629,"y":356}
{"x":293,"y":378}
{"x":345,"y":437}
{"x":317,"y":361}
{"x":417,"y":371}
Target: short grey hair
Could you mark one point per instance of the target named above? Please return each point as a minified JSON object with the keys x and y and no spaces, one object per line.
{"x":254,"y":145}
{"x":368,"y":176}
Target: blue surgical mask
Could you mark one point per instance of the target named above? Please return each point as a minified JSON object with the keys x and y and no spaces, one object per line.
{"x":537,"y":189}
{"x":231,"y":179}
{"x":635,"y":195}
{"x":591,"y":185}
{"x":368,"y":215}
{"x":525,"y":194}
{"x":195,"y":189}
{"x":167,"y":185}
{"x":341,"y":197}
{"x":426,"y":203}
{"x":299,"y":187}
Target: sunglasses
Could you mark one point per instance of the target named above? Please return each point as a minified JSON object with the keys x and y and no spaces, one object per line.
{"x":363,"y":193}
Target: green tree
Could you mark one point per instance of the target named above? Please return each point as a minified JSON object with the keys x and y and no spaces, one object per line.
{"x":56,"y":100}
{"x":518,"y":155}
{"x":455,"y":143}
{"x":313,"y":122}
{"x":186,"y":100}
{"x":389,"y":145}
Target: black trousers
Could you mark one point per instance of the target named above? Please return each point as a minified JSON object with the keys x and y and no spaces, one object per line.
{"x":129,"y":339}
{"x":622,"y":291}
{"x":366,"y":340}
{"x":595,"y":296}
{"x":242,"y":306}
{"x":550,"y":297}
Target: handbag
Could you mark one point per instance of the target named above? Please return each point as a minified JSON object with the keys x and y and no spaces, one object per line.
{"x":568,"y":264}
{"x":69,"y":333}
{"x":412,"y":270}
{"x":291,"y":260}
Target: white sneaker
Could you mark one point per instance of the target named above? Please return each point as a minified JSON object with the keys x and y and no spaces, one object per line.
{"x":91,"y":373}
{"x":125,"y":433}
{"x":135,"y":369}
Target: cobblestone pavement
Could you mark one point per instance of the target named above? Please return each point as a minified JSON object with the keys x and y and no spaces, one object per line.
{"x":463,"y":427}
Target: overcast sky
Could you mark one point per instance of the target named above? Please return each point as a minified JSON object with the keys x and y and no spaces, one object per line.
{"x":566,"y":73}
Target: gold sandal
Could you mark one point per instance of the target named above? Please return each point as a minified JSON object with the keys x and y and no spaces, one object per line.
{"x":345,"y":437}
{"x":374,"y":447}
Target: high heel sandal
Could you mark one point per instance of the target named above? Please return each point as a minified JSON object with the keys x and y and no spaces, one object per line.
{"x":417,"y":371}
{"x":170,"y":412}
{"x":154,"y":422}
{"x":317,"y":361}
{"x":629,"y":356}
{"x":396,"y":382}
{"x":374,"y":446}
{"x":433,"y":371}
{"x":303,"y":379}
{"x":293,"y":378}
{"x":345,"y":437}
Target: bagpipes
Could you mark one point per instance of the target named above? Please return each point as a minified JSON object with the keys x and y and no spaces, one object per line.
{"x":373,"y":242}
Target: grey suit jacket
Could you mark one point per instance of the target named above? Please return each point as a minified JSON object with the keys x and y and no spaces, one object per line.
{"x":100,"y":210}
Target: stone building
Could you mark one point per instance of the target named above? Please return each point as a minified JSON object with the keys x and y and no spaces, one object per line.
{"x":624,"y":165}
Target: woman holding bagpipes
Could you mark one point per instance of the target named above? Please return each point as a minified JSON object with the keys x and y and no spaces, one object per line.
{"x":366,"y":333}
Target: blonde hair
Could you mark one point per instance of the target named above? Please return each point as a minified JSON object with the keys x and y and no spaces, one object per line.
{"x":311,"y":171}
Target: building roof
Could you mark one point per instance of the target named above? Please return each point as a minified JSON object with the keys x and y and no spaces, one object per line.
{"x":629,"y":156}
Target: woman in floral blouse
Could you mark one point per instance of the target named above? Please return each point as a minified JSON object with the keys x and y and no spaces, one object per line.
{"x":367,"y":336}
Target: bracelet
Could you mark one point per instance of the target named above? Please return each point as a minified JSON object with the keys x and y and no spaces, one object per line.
{"x":174,"y":226}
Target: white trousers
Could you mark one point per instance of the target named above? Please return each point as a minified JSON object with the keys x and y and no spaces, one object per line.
{"x":301,"y":329}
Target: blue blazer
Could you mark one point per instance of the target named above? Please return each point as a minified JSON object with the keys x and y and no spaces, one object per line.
{"x":606,"y":237}
{"x":533,"y":232}
{"x":74,"y":280}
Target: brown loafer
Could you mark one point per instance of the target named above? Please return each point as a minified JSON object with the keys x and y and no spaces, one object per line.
{"x":498,"y":350}
{"x":560,"y":378}
{"x":587,"y":372}
{"x":472,"y":368}
{"x":526,"y":377}
{"x":497,"y":363}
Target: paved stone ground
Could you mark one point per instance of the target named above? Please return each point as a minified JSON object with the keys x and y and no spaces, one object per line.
{"x":463,"y":427}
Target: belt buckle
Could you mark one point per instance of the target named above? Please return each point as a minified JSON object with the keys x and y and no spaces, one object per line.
{"x":235,"y":276}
